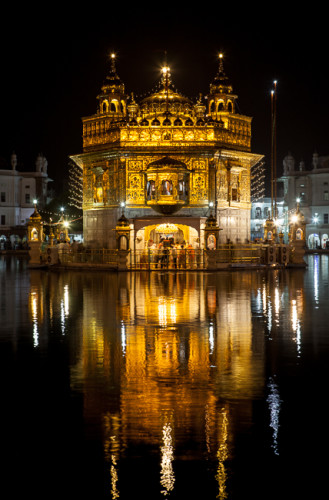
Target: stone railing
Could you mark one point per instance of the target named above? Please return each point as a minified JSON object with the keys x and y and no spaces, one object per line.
{"x":225,"y":257}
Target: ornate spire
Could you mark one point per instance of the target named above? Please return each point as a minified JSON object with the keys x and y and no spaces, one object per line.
{"x":221,"y":80}
{"x":113,"y":78}
{"x":112,"y":98}
{"x":221,"y":99}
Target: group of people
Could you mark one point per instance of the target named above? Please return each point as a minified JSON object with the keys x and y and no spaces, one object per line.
{"x":168,"y":254}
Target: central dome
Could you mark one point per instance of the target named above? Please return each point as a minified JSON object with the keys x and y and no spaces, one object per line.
{"x":166,"y":99}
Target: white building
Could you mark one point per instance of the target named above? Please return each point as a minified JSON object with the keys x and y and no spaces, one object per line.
{"x":18,"y":190}
{"x":261,"y":210}
{"x":310,"y":186}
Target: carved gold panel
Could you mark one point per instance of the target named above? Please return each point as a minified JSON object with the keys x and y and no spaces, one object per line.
{"x":199,"y":188}
{"x":135,"y":191}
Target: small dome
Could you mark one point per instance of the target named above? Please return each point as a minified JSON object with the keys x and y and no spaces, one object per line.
{"x":123,"y":221}
{"x":211,"y":221}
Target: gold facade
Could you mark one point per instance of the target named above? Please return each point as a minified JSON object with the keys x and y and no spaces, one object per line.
{"x":202,"y":151}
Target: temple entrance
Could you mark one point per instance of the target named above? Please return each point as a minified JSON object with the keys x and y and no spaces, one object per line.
{"x":167,"y":246}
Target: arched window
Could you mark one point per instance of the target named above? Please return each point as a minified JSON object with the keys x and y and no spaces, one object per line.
{"x":123,"y":242}
{"x":230,"y":107}
{"x":166,"y":187}
{"x":220,"y":106}
{"x":212,"y":107}
{"x":299,"y":234}
{"x":113,"y":106}
{"x":258,"y":213}
{"x":105,"y":106}
{"x":150,"y":190}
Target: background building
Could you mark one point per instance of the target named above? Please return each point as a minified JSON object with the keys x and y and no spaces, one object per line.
{"x":165,"y":160}
{"x":260,"y":211}
{"x":18,"y":190}
{"x":310,"y":186}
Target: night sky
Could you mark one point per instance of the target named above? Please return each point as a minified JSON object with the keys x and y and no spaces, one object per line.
{"x":53,"y":65}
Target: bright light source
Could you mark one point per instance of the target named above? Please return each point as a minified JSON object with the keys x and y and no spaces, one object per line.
{"x":294,"y":218}
{"x":211,"y":204}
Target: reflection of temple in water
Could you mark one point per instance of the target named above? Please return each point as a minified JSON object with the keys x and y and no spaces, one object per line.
{"x":174,"y":352}
{"x":171,"y":362}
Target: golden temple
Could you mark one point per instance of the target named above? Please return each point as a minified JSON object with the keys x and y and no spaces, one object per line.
{"x":164,"y":159}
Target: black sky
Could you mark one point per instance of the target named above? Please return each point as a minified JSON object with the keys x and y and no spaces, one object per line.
{"x":53,"y":65}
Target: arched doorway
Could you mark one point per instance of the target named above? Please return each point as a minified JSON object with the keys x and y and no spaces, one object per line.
{"x":179,"y":234}
{"x":3,"y":242}
{"x":324,"y":241}
{"x":313,"y":241}
{"x":167,"y":245}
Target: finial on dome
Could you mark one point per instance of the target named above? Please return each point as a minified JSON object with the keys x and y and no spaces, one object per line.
{"x":113,"y":56}
{"x":166,"y":76}
{"x":221,"y":65}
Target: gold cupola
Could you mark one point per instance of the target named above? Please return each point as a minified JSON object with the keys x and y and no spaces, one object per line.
{"x":166,"y":106}
{"x":112,"y":99}
{"x":221,"y":100}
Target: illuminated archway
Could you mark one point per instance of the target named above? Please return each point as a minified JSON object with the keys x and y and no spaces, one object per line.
{"x":313,"y":241}
{"x":152,"y":234}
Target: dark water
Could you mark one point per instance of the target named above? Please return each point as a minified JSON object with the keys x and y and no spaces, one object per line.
{"x":164,"y":385}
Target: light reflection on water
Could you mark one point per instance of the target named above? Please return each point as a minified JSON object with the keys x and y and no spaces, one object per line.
{"x":184,"y":385}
